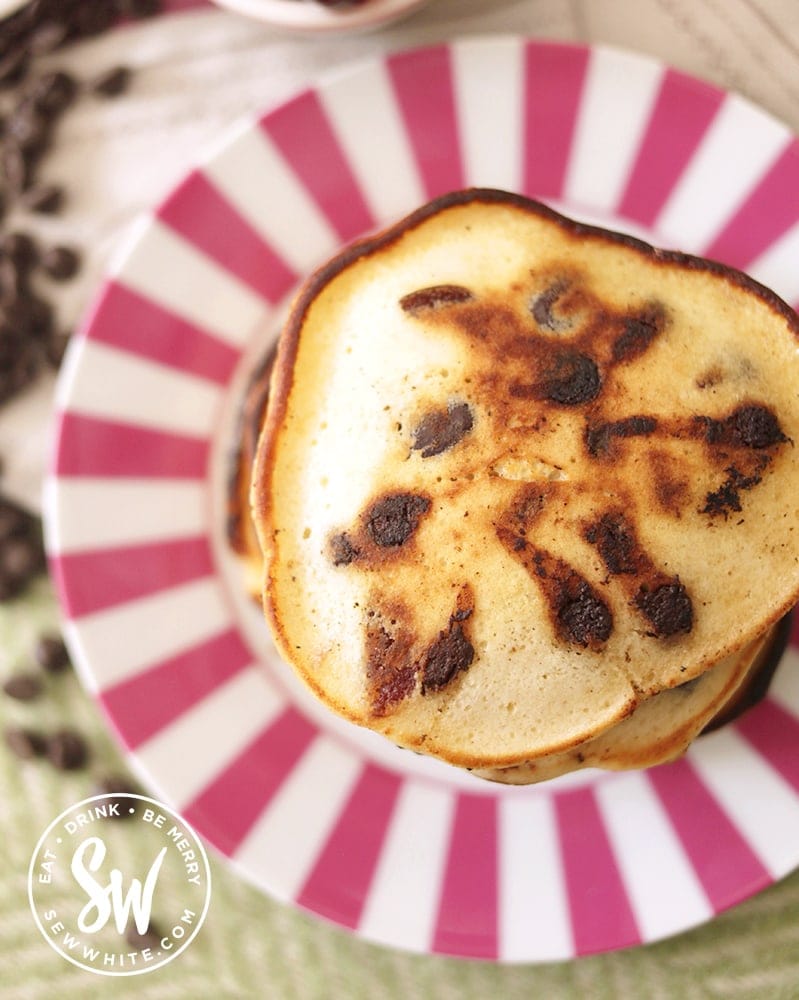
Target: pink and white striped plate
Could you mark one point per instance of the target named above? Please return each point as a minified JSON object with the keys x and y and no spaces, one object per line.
{"x":401,"y":849}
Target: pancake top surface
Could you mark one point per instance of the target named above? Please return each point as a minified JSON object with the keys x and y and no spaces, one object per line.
{"x":519,"y":474}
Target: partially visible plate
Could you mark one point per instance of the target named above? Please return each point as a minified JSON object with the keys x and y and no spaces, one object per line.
{"x":399,"y":848}
{"x":310,"y":17}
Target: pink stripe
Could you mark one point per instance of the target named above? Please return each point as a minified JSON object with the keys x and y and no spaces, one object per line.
{"x":225,"y":812}
{"x":424,"y":88}
{"x":134,"y":323}
{"x":206,"y":219}
{"x":88,"y":446}
{"x":684,"y":109}
{"x":144,"y":704}
{"x":554,"y":76}
{"x":338,"y":885}
{"x":92,"y":581}
{"x":724,"y":862}
{"x":602,"y":918}
{"x":301,"y":131}
{"x":774,"y":733}
{"x":769,"y":211}
{"x":467,"y":914}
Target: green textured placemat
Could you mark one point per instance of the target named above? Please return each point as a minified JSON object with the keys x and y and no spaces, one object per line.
{"x":251,"y":946}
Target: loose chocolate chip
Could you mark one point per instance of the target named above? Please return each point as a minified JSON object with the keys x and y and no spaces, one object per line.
{"x":342,"y":550}
{"x":112,"y":82}
{"x":542,"y":305}
{"x":61,"y":262}
{"x":440,"y":430}
{"x":67,"y":750}
{"x":572,"y":378}
{"x":434,"y":297}
{"x":23,"y":686}
{"x":45,"y":199}
{"x":25,"y":743}
{"x":53,"y":92}
{"x":584,"y":617}
{"x":447,"y":656}
{"x":392,"y":520}
{"x":51,"y":654}
{"x":20,"y":247}
{"x":47,"y":38}
{"x":151,"y":938}
{"x":116,"y":785}
{"x":668,"y":609}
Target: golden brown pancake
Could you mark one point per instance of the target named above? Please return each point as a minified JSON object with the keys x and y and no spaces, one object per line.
{"x":519,"y":475}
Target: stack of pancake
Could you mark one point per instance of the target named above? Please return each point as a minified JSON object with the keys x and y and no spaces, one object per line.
{"x":524,"y":495}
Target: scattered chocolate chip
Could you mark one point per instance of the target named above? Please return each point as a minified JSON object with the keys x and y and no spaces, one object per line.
{"x":53,"y":92}
{"x":542,"y":305}
{"x":112,"y":82}
{"x":23,"y":686}
{"x":21,"y":547}
{"x":20,"y":248}
{"x":434,"y":297}
{"x":440,"y":430}
{"x":25,"y":743}
{"x":390,"y":669}
{"x":51,"y":654}
{"x":67,"y":750}
{"x":392,"y":520}
{"x":756,"y":427}
{"x":727,"y":498}
{"x":151,"y":938}
{"x":342,"y":549}
{"x":450,"y":654}
{"x":668,"y":608}
{"x":572,"y":379}
{"x":45,"y":199}
{"x":117,"y":785}
{"x":61,"y":262}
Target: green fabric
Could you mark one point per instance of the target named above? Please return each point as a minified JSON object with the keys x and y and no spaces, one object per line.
{"x":251,"y":946}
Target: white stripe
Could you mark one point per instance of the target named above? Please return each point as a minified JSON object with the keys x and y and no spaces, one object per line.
{"x":662,"y":886}
{"x":738,"y":148}
{"x":123,"y":640}
{"x":235,"y":713}
{"x":374,"y":140}
{"x":784,"y":688}
{"x":533,"y":907}
{"x":281,"y":848}
{"x":173,"y":273}
{"x":776,"y":267}
{"x":88,"y":513}
{"x":618,"y":97}
{"x":116,"y":385}
{"x":758,"y":801}
{"x":402,"y":905}
{"x":488,"y":84}
{"x":255,"y":178}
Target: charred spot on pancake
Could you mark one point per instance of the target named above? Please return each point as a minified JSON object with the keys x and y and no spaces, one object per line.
{"x":440,"y":430}
{"x":343,"y":550}
{"x":615,"y":543}
{"x":668,"y":608}
{"x":392,"y":520}
{"x":752,"y":425}
{"x":727,"y":497}
{"x":598,"y":438}
{"x":390,"y":669}
{"x":434,"y":297}
{"x":541,"y":307}
{"x":570,"y":379}
{"x":638,"y":333}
